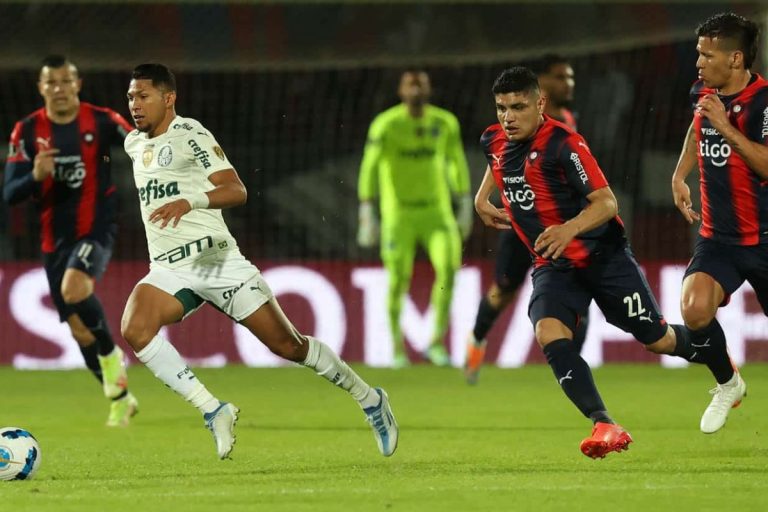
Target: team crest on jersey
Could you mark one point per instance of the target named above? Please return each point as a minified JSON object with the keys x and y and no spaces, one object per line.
{"x":736,"y":109}
{"x":533,"y":155}
{"x":165,"y":156}
{"x":219,"y":152}
{"x":88,"y":137}
{"x":149,"y":152}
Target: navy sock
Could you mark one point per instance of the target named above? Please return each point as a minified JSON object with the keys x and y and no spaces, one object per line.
{"x":580,"y":334}
{"x":486,"y":316}
{"x":575,"y":377}
{"x":92,"y":315}
{"x":683,"y":346}
{"x":90,"y":355}
{"x":710,"y":343}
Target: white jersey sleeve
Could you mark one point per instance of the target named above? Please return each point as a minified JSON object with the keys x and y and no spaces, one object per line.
{"x":172,"y":166}
{"x":206,"y":153}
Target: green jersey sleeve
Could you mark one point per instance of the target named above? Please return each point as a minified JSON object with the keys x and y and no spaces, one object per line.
{"x":368,"y":182}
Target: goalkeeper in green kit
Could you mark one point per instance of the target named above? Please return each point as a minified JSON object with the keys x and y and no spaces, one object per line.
{"x":414,"y":163}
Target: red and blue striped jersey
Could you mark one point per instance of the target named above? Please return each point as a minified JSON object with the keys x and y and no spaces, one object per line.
{"x":734,"y":199}
{"x":544,"y":182}
{"x":77,"y":201}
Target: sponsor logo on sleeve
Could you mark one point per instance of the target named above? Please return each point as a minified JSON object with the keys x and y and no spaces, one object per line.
{"x":219,"y":152}
{"x":579,"y":167}
{"x":201,"y":155}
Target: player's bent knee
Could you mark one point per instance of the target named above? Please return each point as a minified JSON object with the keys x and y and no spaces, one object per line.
{"x":74,"y":294}
{"x":550,"y":329}
{"x":138,"y":333}
{"x":697,"y":314}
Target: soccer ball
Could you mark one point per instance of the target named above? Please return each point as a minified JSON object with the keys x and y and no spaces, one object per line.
{"x":19,"y":454}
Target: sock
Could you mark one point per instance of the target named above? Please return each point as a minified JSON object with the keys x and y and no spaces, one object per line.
{"x":92,"y":315}
{"x":166,"y":364}
{"x":710,"y":342}
{"x":580,"y":334}
{"x":683,"y":346}
{"x":328,"y":365}
{"x":575,"y":377}
{"x":486,"y":316}
{"x":90,"y":355}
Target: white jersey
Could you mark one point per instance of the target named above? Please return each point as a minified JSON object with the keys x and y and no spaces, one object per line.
{"x":173,"y":166}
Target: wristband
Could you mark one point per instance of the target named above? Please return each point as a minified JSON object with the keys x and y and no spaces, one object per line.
{"x":198,"y":201}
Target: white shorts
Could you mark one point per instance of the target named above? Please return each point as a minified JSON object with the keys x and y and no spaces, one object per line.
{"x":229,"y":282}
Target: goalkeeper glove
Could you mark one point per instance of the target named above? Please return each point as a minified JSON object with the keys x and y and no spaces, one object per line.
{"x":368,"y":225}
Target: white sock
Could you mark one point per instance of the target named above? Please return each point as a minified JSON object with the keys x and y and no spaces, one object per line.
{"x":328,"y":365}
{"x":164,"y":361}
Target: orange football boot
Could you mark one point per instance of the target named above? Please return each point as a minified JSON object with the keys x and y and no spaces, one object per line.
{"x":605,"y":438}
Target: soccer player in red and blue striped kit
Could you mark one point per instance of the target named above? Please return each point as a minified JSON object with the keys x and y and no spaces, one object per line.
{"x":727,"y":141}
{"x":564,"y":211}
{"x":60,"y":155}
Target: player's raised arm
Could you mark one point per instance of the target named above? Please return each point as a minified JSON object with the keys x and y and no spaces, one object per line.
{"x":685,"y":164}
{"x":20,"y":181}
{"x":755,"y":154}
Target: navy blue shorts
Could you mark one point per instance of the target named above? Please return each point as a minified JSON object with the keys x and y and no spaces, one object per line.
{"x":731,"y":265}
{"x":513,"y":260}
{"x":614,"y":280}
{"x":86,"y":255}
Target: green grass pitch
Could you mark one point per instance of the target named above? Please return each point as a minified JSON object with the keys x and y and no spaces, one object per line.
{"x":510,"y":443}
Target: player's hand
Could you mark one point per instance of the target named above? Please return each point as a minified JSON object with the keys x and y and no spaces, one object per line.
{"x":172,"y":211}
{"x":44,"y":164}
{"x":368,"y":225}
{"x":681,"y":193}
{"x":554,"y":240}
{"x":492,"y":216}
{"x":710,"y":107}
{"x":464,"y":215}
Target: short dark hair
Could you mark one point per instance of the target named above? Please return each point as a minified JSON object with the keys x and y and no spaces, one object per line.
{"x":728,"y":25}
{"x":159,"y":74}
{"x":515,"y":79}
{"x":54,"y":61}
{"x":547,"y":62}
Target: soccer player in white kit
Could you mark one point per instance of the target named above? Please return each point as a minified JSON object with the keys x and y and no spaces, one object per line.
{"x":184,"y":180}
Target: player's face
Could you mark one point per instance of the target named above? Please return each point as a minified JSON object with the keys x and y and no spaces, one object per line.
{"x":414,"y":88}
{"x":59,"y":88}
{"x":149,"y":105}
{"x":558,"y":84}
{"x":519,"y":113}
{"x":716,"y":62}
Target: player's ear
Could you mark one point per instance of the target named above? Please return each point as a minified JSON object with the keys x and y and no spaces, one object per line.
{"x":541,"y":102}
{"x":170,"y":98}
{"x":79,"y":85}
{"x":737,"y":58}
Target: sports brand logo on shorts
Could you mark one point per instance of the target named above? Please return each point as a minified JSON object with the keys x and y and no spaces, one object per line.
{"x":146,"y":156}
{"x":165,"y":156}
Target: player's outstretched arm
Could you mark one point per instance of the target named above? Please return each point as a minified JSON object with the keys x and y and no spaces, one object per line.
{"x":602,"y":207}
{"x":681,"y":193}
{"x":753,"y":153}
{"x":229,"y":192}
{"x":489,"y":214}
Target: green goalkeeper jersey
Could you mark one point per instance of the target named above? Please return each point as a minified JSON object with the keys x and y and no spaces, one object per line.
{"x":412,"y":162}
